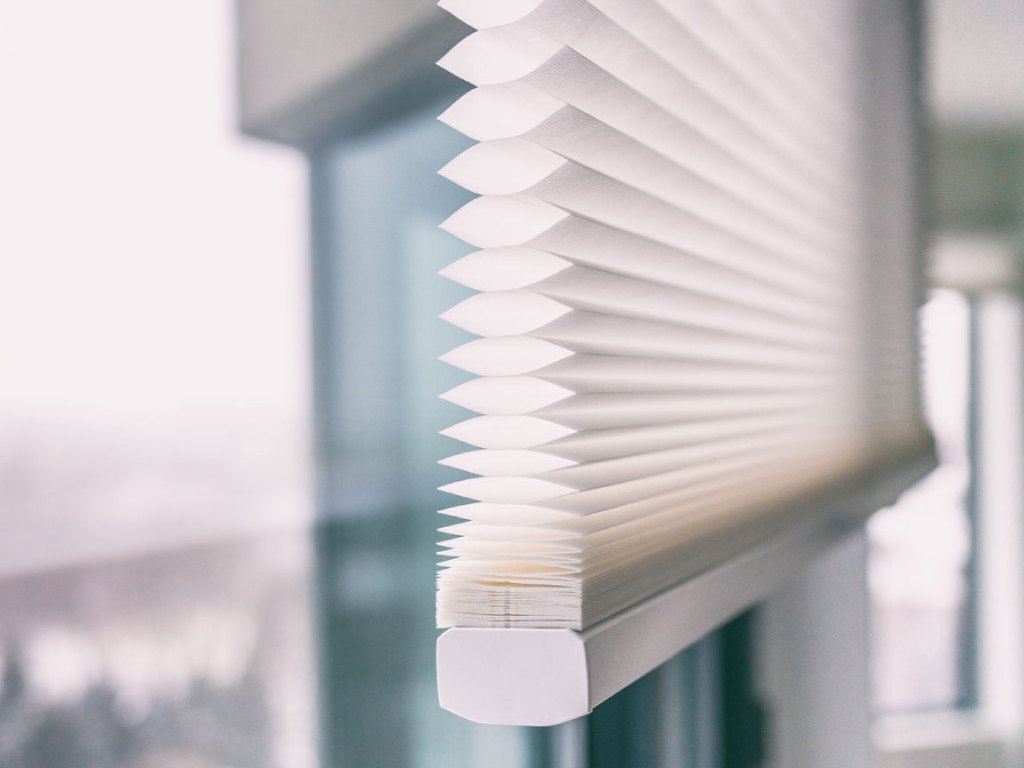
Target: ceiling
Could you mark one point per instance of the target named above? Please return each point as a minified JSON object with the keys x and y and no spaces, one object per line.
{"x":977,"y":61}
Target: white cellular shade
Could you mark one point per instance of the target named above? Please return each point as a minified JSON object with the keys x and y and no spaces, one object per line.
{"x":677,"y":295}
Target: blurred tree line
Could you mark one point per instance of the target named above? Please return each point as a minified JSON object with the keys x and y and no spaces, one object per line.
{"x":211,"y":726}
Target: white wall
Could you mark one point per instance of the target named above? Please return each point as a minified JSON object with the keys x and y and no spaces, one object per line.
{"x":813,"y":671}
{"x":306,"y":65}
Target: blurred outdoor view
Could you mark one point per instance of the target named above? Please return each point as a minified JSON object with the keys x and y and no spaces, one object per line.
{"x":920,"y":547}
{"x":153,"y":400}
{"x":152,"y":300}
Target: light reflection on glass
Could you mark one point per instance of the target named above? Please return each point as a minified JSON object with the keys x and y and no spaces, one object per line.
{"x":920,"y":546}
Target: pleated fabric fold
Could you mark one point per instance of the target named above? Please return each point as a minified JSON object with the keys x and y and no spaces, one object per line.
{"x":672,"y":302}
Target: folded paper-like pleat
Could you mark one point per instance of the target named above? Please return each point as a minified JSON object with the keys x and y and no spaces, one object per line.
{"x":495,"y":221}
{"x":507,"y":463}
{"x":522,"y":311}
{"x":505,"y":356}
{"x":502,"y":167}
{"x":507,"y":490}
{"x":504,"y":269}
{"x":499,"y":55}
{"x":507,"y":432}
{"x":501,"y":111}
{"x":505,"y":313}
{"x":482,"y":14}
{"x":507,"y":395}
{"x":505,"y":514}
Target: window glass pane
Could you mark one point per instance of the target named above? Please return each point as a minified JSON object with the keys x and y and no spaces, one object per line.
{"x":377,"y":201}
{"x":377,"y":250}
{"x":920,"y":547}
